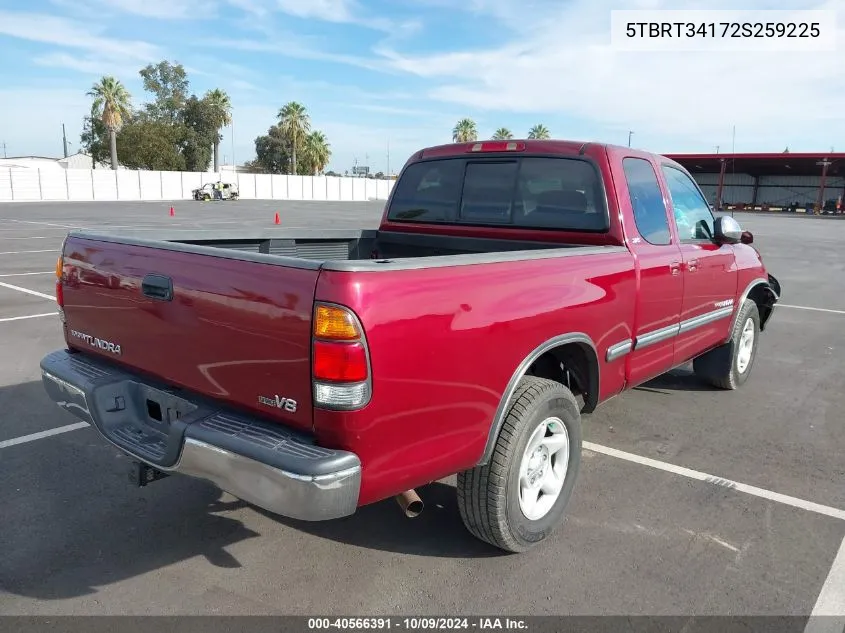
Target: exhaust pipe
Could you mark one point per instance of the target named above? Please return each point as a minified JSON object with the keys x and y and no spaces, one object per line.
{"x":410,"y":503}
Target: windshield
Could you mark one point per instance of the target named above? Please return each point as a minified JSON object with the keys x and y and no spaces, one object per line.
{"x":530,"y":192}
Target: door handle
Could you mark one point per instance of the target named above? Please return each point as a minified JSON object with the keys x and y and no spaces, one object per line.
{"x":157,"y":287}
{"x":692,"y":265}
{"x":674,"y":267}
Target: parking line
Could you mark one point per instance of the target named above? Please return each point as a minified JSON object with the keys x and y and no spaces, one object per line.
{"x":49,"y":250}
{"x":784,"y":305}
{"x":831,"y":600}
{"x":28,"y":316}
{"x":39,"y":237}
{"x":34,"y":293}
{"x":42,"y":434}
{"x":719,"y":481}
{"x":49,"y":272}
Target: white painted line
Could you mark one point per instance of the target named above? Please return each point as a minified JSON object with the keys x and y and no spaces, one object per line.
{"x":40,"y":237}
{"x":784,"y":305}
{"x":37,"y":436}
{"x":719,"y":481}
{"x":28,"y":316}
{"x":61,"y":226}
{"x":828,"y":614}
{"x":34,"y":293}
{"x":49,"y":272}
{"x":49,"y":250}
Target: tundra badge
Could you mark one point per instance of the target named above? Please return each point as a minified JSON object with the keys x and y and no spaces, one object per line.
{"x":279,"y":402}
{"x":93,"y":341}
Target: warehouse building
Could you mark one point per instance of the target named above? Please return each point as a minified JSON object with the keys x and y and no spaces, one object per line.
{"x":802,"y":182}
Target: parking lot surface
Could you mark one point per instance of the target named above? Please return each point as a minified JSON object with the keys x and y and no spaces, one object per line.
{"x":691,"y":501}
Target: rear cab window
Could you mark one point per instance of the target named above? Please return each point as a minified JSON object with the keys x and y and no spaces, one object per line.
{"x":520,"y":192}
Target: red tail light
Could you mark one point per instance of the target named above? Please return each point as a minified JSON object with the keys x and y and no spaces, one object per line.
{"x":340,"y":362}
{"x":60,"y":295}
{"x":60,"y":265}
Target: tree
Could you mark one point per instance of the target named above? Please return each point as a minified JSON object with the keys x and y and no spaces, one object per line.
{"x":317,"y":152}
{"x":539,"y":131}
{"x":271,"y":151}
{"x":464,"y":131}
{"x":169,"y":85}
{"x":198,"y":132}
{"x":153,"y":145}
{"x":221,"y":111}
{"x":112,"y":104}
{"x":502,"y":134}
{"x":95,"y":138}
{"x":295,"y":124}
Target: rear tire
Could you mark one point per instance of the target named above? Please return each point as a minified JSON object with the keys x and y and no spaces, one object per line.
{"x":728,"y":366}
{"x":517,"y":499}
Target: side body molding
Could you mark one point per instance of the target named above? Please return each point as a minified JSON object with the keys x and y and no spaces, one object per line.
{"x":504,"y":403}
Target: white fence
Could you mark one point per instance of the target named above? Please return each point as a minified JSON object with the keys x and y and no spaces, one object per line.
{"x":81,"y":185}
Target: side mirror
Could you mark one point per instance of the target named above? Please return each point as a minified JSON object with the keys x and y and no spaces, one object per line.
{"x":728,"y":230}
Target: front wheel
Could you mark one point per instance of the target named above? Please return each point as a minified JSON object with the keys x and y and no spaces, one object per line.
{"x":728,"y":366}
{"x":517,"y":499}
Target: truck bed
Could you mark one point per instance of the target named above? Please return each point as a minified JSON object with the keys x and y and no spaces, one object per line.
{"x":345,"y":250}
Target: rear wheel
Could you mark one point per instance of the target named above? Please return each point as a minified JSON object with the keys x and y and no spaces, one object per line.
{"x":515,"y":501}
{"x":728,"y":366}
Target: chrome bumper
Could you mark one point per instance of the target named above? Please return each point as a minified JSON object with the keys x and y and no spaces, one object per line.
{"x":266,"y":464}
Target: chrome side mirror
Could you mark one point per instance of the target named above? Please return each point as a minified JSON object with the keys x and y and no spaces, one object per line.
{"x":728,"y":230}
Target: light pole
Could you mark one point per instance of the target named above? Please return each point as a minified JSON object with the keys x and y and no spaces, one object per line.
{"x":630,"y":134}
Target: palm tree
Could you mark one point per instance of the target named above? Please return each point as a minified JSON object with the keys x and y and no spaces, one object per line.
{"x":221,"y":108}
{"x":112,"y":104}
{"x":502,"y":134}
{"x":317,"y":151}
{"x":464,"y":131}
{"x":539,"y":131}
{"x":295,"y":124}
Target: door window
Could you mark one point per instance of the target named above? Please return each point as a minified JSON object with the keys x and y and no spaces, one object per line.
{"x":692,"y":213}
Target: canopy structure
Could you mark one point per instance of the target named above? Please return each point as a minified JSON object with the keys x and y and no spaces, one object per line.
{"x":813,"y":182}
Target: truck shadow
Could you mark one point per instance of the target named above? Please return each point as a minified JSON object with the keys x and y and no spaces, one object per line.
{"x":680,"y":379}
{"x":72,"y":523}
{"x":437,"y":532}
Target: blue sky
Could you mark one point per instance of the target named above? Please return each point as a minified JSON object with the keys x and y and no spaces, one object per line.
{"x":399,"y":73}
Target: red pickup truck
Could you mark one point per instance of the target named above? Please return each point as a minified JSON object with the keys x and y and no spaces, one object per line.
{"x":510,"y":288}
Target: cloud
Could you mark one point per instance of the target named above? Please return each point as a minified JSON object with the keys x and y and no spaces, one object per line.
{"x":48,"y":29}
{"x":165,"y":9}
{"x":559,"y":62}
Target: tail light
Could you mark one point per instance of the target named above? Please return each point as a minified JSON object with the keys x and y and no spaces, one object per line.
{"x":340,"y":359}
{"x":497,"y":146}
{"x":60,"y":295}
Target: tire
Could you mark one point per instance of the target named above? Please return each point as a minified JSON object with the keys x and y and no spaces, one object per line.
{"x":489,"y":497}
{"x":729,"y":366}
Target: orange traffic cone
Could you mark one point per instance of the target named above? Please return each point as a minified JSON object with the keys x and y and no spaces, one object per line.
{"x":276,"y":220}
{"x":172,"y":212}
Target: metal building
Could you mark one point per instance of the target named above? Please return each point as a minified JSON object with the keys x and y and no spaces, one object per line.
{"x":780,"y":182}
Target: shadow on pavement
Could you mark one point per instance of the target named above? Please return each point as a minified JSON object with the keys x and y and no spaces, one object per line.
{"x":72,"y":522}
{"x":437,"y":532}
{"x":680,"y":379}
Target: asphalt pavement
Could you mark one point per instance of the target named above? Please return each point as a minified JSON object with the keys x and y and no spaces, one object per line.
{"x":691,"y":501}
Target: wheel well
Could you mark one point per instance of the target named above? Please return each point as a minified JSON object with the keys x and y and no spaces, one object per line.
{"x":574,"y":365}
{"x":762,"y":295}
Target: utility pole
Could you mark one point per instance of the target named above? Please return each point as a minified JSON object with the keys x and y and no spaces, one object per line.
{"x":630,"y":134}
{"x":733,"y":140}
{"x":388,"y":158}
{"x":64,"y":139}
{"x":4,"y":150}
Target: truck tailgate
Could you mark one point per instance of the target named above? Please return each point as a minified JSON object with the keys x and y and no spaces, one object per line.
{"x":234,"y":330}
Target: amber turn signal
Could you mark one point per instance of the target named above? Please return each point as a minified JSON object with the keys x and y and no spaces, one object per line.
{"x":59,"y":267}
{"x":334,"y":323}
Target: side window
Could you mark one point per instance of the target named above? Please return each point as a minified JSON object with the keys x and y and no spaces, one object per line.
{"x":692,"y":213}
{"x":646,"y":201}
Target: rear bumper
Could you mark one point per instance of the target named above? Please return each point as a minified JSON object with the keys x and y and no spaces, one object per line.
{"x":275,"y":468}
